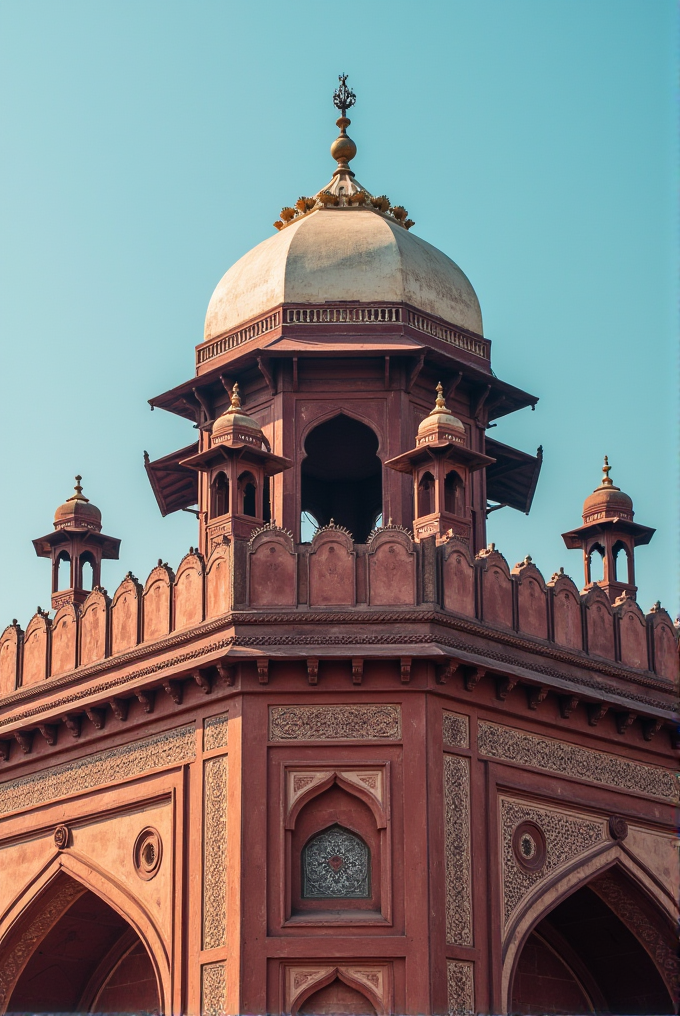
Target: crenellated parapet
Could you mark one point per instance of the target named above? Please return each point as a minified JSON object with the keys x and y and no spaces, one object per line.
{"x":332,"y":574}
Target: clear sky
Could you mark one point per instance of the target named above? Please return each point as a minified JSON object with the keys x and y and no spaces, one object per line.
{"x":147,"y":146}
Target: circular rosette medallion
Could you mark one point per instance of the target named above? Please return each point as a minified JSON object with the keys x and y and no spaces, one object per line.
{"x":528,"y":843}
{"x":336,"y":865}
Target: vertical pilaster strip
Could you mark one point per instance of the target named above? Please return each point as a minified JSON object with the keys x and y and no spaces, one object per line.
{"x":460,"y":986}
{"x":213,"y":989}
{"x":457,"y":850}
{"x":215,"y":771}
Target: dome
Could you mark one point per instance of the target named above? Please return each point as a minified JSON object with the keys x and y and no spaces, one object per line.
{"x":77,"y":512}
{"x":440,"y":424}
{"x":607,"y":500}
{"x":236,"y":427}
{"x":345,"y":253}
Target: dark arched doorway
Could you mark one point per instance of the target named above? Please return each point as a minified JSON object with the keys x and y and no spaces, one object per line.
{"x":582,"y":958}
{"x":342,"y":476}
{"x":90,"y":960}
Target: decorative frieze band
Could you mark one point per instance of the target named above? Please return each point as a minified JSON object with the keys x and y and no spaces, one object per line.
{"x":237,"y":338}
{"x":215,"y":772}
{"x":480,"y":347}
{"x":457,"y":850}
{"x":512,"y":745}
{"x":112,"y":766}
{"x":216,"y":732}
{"x":460,"y":987}
{"x":334,"y":723}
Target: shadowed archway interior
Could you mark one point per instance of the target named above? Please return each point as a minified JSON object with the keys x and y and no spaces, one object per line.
{"x":342,"y":476}
{"x":582,"y":959}
{"x":335,"y":999}
{"x":91,"y":960}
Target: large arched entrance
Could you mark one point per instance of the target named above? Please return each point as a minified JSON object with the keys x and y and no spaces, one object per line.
{"x":75,"y":953}
{"x":342,"y":476}
{"x":583,"y":958}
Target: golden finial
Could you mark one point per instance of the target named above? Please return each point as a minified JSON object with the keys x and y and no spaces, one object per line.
{"x":235,"y":397}
{"x":439,"y":404}
{"x":606,"y":482}
{"x":343,"y":148}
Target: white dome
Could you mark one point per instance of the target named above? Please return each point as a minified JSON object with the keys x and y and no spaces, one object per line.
{"x":342,"y":254}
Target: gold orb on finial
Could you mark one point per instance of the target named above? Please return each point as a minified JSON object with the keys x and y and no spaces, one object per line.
{"x":343,"y":148}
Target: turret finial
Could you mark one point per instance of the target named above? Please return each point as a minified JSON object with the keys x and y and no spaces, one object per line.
{"x":78,"y":496}
{"x":606,"y":482}
{"x":235,"y":397}
{"x":439,"y":402}
{"x":343,"y":148}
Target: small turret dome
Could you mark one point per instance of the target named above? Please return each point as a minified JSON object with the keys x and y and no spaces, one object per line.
{"x":77,"y":512}
{"x":440,"y":424}
{"x":607,"y":501}
{"x":236,"y":427}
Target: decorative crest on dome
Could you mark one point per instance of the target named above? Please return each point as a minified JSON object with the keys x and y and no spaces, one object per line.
{"x":78,"y":496}
{"x":235,"y":399}
{"x":606,"y":479}
{"x":344,"y":191}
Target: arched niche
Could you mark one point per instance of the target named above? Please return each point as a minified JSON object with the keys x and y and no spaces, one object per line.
{"x":341,"y":475}
{"x":157,"y":603}
{"x":332,"y":564}
{"x":496,"y":588}
{"x":35,"y":650}
{"x":188,"y":591}
{"x":532,"y":600}
{"x":64,"y":640}
{"x":335,"y":852}
{"x":10,"y":649}
{"x":632,"y":633}
{"x":603,"y":947}
{"x":664,"y":640}
{"x":339,"y":995}
{"x":272,"y":569}
{"x":126,"y":610}
{"x":219,"y":495}
{"x":459,"y":579}
{"x":599,"y":623}
{"x":345,"y":988}
{"x":75,"y":941}
{"x":94,"y":627}
{"x":217,"y":580}
{"x":636,"y":894}
{"x":391,"y":568}
{"x":566,"y":607}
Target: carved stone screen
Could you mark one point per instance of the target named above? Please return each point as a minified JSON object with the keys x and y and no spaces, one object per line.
{"x":336,"y":864}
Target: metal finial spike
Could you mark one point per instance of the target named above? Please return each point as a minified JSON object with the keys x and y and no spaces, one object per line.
{"x":606,"y":481}
{"x":78,"y":489}
{"x":343,"y":97}
{"x":439,"y":402}
{"x":235,"y":397}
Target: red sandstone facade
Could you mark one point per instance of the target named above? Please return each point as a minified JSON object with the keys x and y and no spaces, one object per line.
{"x":379,"y":771}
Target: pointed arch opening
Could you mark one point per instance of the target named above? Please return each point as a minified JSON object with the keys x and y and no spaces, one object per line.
{"x":588,"y":956}
{"x":219,"y":495}
{"x":621,"y":563}
{"x":426,"y":504}
{"x":63,"y":571}
{"x":595,"y":564}
{"x":83,"y":957}
{"x":341,"y":476}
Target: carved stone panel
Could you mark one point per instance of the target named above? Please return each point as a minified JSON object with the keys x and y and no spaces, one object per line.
{"x":336,"y":864}
{"x":9,"y":659}
{"x":215,"y":732}
{"x":273,"y":570}
{"x":522,"y":748}
{"x":566,"y":835}
{"x":36,"y":643}
{"x":331,"y":570}
{"x":93,"y":627}
{"x":125,"y":615}
{"x":459,"y":580}
{"x":455,"y":729}
{"x":334,"y":723}
{"x":189,"y":592}
{"x":457,"y":850}
{"x":156,"y":604}
{"x":215,"y":772}
{"x":391,"y":569}
{"x":111,"y":766}
{"x":64,"y":640}
{"x":218,"y":581}
{"x":213,"y":989}
{"x":460,"y":987}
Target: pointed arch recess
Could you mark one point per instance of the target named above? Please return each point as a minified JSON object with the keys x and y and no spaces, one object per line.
{"x":350,"y":780}
{"x":544,"y":899}
{"x":344,"y":973}
{"x":44,"y":901}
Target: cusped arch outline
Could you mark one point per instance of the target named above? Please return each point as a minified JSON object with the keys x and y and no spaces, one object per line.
{"x":335,"y":776}
{"x":350,"y":981}
{"x":546,"y":898}
{"x":330,"y":414}
{"x":69,"y":865}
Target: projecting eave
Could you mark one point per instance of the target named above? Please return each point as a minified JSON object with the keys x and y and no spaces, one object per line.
{"x":575,"y":537}
{"x":109,"y":544}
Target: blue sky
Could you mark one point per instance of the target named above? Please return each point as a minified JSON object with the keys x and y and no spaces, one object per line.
{"x":148,"y":146}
